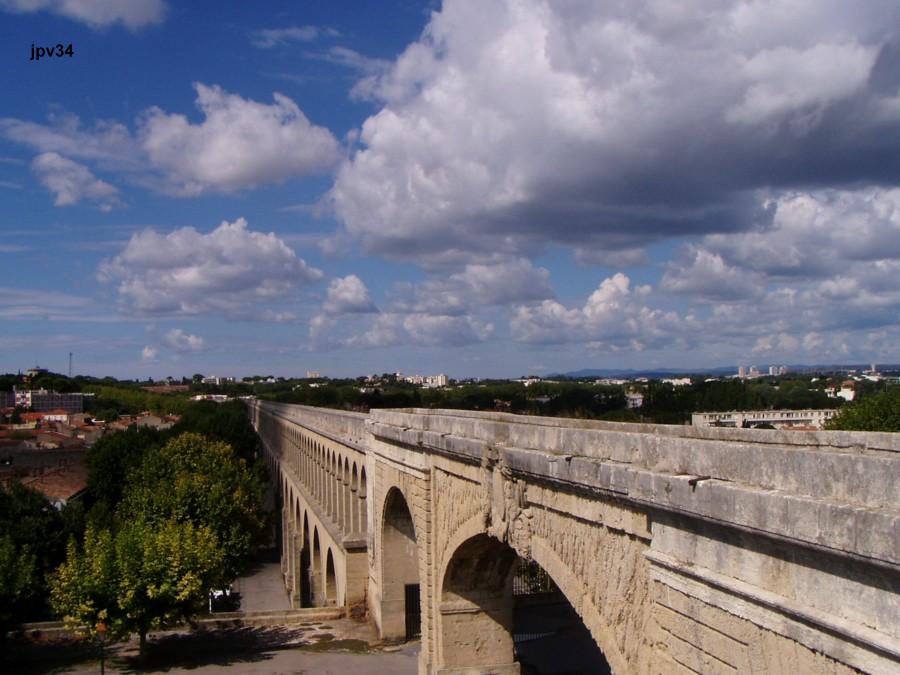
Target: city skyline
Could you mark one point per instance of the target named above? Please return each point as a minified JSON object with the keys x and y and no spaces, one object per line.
{"x":480,"y":189}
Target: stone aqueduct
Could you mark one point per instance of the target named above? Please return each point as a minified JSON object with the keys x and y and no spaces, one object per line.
{"x":683,"y":550}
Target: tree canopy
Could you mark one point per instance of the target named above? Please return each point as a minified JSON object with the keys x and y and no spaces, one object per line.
{"x":196,"y":480}
{"x":146,"y":576}
{"x":878,"y":412}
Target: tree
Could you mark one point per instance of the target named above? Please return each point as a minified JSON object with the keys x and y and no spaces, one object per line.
{"x":113,"y":457}
{"x":84,"y":589}
{"x":18,"y":582}
{"x":165,"y":573}
{"x":145,"y":577}
{"x":193,"y":479}
{"x":880,"y":412}
{"x":32,"y":536}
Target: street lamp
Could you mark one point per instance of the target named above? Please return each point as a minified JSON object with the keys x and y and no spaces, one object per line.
{"x":101,"y":631}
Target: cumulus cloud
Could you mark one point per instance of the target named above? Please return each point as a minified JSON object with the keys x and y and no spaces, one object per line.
{"x":149,"y":353}
{"x":133,"y":14}
{"x":239,"y":144}
{"x":71,"y":182}
{"x":704,"y":275}
{"x":231,"y":271}
{"x":499,"y":282}
{"x":817,"y":234}
{"x":179,"y":341}
{"x":348,"y":295}
{"x":613,"y":318}
{"x":509,"y":126}
{"x":425,"y":330}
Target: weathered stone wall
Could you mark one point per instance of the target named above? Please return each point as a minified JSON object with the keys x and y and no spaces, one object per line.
{"x":683,"y":549}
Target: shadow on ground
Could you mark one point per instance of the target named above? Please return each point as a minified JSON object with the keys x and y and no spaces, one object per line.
{"x":211,"y":648}
{"x":30,"y":657}
{"x":224,"y":647}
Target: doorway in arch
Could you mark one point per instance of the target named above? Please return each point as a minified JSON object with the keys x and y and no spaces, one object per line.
{"x":503,"y":614}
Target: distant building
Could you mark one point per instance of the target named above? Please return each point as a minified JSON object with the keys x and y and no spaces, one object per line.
{"x":41,"y":400}
{"x":780,"y":419}
{"x":313,"y":374}
{"x":634,"y":400}
{"x":439,"y":380}
{"x":847,"y":391}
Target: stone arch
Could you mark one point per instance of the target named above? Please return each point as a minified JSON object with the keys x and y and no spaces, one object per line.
{"x":574,"y":590}
{"x":331,"y":589}
{"x":346,"y":497}
{"x":315,"y":575}
{"x":363,"y":511}
{"x":399,"y":566}
{"x":355,"y":525}
{"x":305,"y":565}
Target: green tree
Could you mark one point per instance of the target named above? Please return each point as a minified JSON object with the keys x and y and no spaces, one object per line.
{"x":880,"y":412}
{"x":193,"y":479}
{"x":113,"y":457}
{"x":84,"y":588}
{"x":145,"y":577}
{"x":18,"y":582}
{"x":33,"y":536}
{"x":165,"y":573}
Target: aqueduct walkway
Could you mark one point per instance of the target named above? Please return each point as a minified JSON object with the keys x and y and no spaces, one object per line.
{"x":682,"y":549}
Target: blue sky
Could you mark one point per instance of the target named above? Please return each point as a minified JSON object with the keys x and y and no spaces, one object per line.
{"x":486,"y":188}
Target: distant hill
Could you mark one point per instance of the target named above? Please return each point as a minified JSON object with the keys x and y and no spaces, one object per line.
{"x":630,"y":373}
{"x":657,"y":373}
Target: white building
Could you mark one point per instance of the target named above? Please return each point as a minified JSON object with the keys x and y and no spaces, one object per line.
{"x":780,"y":419}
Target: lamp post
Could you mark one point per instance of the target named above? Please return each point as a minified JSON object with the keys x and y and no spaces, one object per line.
{"x":101,"y":631}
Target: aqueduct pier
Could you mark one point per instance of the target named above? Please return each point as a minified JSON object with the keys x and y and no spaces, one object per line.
{"x":683,"y":550}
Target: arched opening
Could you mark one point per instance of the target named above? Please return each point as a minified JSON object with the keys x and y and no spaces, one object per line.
{"x":548,"y":634}
{"x":400,"y":604}
{"x":305,"y":572}
{"x":315,"y":575}
{"x":354,"y":495}
{"x":361,"y":503}
{"x":500,"y":612}
{"x":346,"y":498}
{"x":331,"y":594}
{"x":296,"y":551}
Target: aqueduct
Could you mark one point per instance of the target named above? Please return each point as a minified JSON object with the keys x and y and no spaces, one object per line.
{"x":681,"y":549}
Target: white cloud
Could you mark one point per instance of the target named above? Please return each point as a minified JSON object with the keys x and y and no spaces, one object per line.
{"x":240,"y":143}
{"x":179,"y":341}
{"x":781,"y":343}
{"x":348,"y":295}
{"x":788,"y":80}
{"x":132,"y":14}
{"x":613,"y":318}
{"x":426,"y":330}
{"x":705,"y":276}
{"x":511,"y":125}
{"x":277,"y":37}
{"x":231,"y":270}
{"x":499,"y":281}
{"x":108,"y":143}
{"x":149,"y":353}
{"x":71,"y":182}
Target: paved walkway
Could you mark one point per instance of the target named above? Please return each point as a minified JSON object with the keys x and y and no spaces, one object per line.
{"x":262,"y":588}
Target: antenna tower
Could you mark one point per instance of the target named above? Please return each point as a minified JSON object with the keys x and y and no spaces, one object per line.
{"x":70,"y":364}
